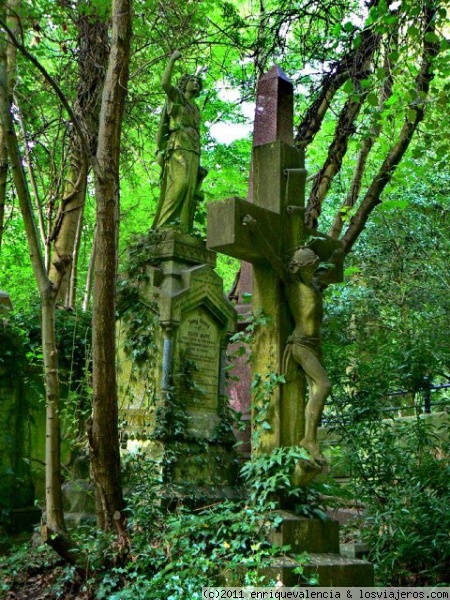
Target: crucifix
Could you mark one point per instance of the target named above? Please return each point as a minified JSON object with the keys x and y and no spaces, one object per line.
{"x":287,"y":259}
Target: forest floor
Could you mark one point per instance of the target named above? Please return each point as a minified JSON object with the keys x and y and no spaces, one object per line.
{"x":32,"y":572}
{"x":42,"y":584}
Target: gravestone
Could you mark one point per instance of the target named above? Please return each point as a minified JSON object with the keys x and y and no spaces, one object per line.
{"x":273,"y":122}
{"x":177,"y":401}
{"x":277,"y":215}
{"x":269,"y":233}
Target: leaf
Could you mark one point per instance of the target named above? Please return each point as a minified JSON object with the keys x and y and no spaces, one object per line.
{"x":372,"y":99}
{"x":432,"y":37}
{"x":411,"y":115}
{"x":394,"y":56}
{"x":389,"y":205}
{"x":349,"y":271}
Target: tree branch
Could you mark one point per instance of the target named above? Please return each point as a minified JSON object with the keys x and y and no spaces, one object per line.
{"x":51,"y":81}
{"x":345,"y":127}
{"x":366,"y":147}
{"x":19,"y":177}
{"x":387,"y":169}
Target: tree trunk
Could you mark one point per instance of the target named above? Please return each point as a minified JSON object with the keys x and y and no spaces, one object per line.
{"x":53,"y":495}
{"x":54,"y":531}
{"x":67,"y":223}
{"x":10,"y":59}
{"x":395,"y":155}
{"x":3,"y":180}
{"x":93,"y":47}
{"x":90,"y":275}
{"x":103,"y":433}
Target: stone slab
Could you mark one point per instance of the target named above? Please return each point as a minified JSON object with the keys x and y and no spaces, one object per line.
{"x":227,"y":235}
{"x":170,"y":244}
{"x":331,"y":570}
{"x":306,"y":535}
{"x":354,"y":550}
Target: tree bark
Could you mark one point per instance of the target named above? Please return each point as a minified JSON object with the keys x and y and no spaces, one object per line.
{"x":3,"y":182}
{"x":103,"y":433}
{"x":10,"y":65}
{"x":53,"y":494}
{"x":358,"y":70}
{"x":67,"y":222}
{"x":312,"y":121}
{"x":390,"y":163}
{"x":366,"y":147}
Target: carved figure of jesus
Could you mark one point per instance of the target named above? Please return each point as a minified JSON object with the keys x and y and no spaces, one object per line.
{"x":303,"y":283}
{"x":303,"y":288}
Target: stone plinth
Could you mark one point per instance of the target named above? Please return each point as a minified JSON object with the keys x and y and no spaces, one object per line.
{"x":177,"y":400}
{"x":306,"y":535}
{"x":320,"y":539}
{"x":330,"y":570}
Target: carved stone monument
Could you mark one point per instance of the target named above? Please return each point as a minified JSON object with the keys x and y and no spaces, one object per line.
{"x":177,"y":400}
{"x":269,"y":233}
{"x":273,"y":122}
{"x":178,"y":151}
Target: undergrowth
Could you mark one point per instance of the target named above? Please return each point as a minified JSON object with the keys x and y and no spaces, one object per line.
{"x":175,"y":552}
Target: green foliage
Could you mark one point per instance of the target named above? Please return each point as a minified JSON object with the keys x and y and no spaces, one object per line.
{"x":262,"y":391}
{"x":269,"y":480}
{"x":21,"y":349}
{"x":385,"y":328}
{"x":175,"y":553}
{"x":401,"y":472}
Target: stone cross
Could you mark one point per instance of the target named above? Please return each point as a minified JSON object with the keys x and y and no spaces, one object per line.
{"x":273,"y":122}
{"x":278,"y":212}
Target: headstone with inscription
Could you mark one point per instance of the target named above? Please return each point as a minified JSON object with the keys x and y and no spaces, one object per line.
{"x":179,"y":401}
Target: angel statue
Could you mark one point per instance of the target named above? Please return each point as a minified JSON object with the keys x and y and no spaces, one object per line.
{"x":178,"y":151}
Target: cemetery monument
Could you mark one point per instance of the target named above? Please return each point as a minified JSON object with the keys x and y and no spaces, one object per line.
{"x":292,"y":265}
{"x":269,"y":233}
{"x":178,"y":402}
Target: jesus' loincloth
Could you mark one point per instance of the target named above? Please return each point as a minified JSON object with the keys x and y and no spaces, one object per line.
{"x":290,"y":364}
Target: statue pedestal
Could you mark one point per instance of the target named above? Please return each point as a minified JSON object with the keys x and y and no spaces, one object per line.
{"x":174,"y":401}
{"x":320,"y":539}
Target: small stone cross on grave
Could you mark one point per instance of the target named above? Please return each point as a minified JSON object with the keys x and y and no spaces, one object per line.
{"x":268,"y":233}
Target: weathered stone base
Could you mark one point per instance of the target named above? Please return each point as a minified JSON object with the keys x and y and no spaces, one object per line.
{"x":306,"y":535}
{"x":320,"y":539}
{"x":355,"y":550}
{"x":196,"y":497}
{"x":78,"y":502}
{"x":330,"y":570}
{"x":198,"y":473}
